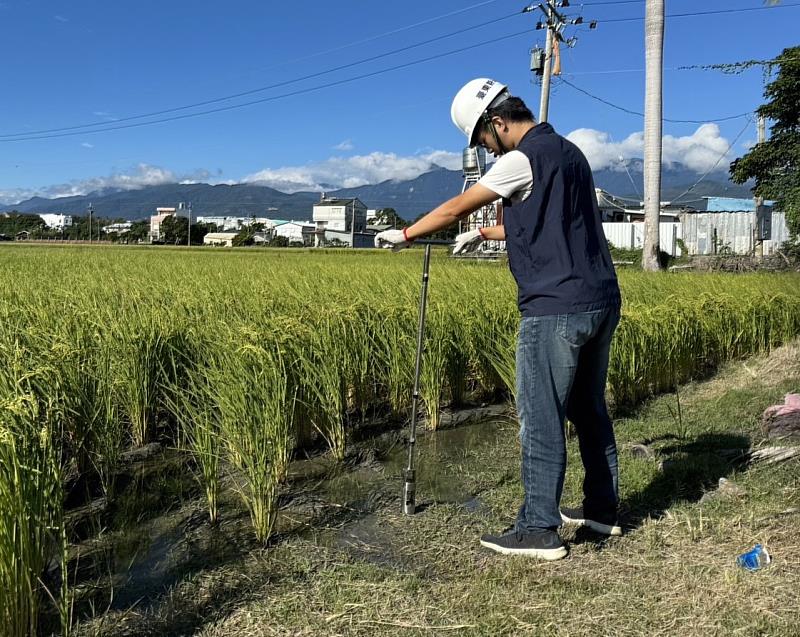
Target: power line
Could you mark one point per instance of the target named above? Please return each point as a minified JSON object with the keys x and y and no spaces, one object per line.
{"x":372,"y":38}
{"x":272,"y":98}
{"x":716,"y":163}
{"x":637,"y":113}
{"x":723,"y":66}
{"x":701,"y":13}
{"x":28,"y":134}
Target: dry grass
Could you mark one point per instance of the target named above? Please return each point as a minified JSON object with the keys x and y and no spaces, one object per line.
{"x":762,"y":370}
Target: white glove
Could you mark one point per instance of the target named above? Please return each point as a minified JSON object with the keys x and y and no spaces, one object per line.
{"x":468,"y":242}
{"x":393,"y":239}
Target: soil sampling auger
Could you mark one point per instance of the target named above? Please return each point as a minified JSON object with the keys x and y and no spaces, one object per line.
{"x":409,"y":475}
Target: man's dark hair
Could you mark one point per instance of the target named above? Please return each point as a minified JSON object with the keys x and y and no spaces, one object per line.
{"x":513,"y":110}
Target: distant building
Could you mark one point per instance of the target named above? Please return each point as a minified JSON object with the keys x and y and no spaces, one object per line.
{"x":56,"y":221}
{"x":622,"y":209}
{"x":731,"y":225}
{"x":119,"y":228}
{"x":295,"y":231}
{"x":235,"y":223}
{"x":162,"y":213}
{"x":219,"y":239}
{"x":157,"y":219}
{"x":341,"y":216}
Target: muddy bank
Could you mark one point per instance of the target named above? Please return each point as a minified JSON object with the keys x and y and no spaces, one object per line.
{"x":156,"y":533}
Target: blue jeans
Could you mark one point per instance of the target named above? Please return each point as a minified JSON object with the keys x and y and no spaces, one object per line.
{"x":562,"y":364}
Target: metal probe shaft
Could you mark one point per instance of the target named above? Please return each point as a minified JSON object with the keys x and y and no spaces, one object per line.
{"x":409,"y":475}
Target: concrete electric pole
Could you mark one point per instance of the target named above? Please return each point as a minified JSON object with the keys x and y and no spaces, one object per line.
{"x":542,"y":61}
{"x":758,"y":235}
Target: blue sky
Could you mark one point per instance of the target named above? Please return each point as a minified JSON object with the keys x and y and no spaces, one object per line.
{"x":67,"y":64}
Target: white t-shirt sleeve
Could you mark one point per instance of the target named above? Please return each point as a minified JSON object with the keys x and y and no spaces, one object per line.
{"x":510,"y":176}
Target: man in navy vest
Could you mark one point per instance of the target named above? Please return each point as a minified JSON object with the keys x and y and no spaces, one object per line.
{"x":568,"y":298}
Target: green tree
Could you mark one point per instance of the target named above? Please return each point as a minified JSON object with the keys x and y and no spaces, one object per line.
{"x":245,"y":237}
{"x":389,"y":216}
{"x":14,"y":222}
{"x":775,"y":163}
{"x":279,"y":242}
{"x":200,"y":230}
{"x":173,"y":230}
{"x":138,"y":232}
{"x":446,"y":234}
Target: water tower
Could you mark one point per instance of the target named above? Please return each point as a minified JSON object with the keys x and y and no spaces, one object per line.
{"x":474,"y":167}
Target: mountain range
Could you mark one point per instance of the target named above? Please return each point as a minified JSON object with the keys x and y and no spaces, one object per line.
{"x":409,"y":198}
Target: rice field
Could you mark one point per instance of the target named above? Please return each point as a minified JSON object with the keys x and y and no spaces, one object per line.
{"x":239,"y":358}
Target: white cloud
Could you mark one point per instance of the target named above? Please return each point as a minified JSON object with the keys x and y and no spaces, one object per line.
{"x":352,"y":172}
{"x":347,"y":144}
{"x":699,"y":151}
{"x":60,"y":18}
{"x":139,"y":176}
{"x":15,"y":195}
{"x":87,"y":145}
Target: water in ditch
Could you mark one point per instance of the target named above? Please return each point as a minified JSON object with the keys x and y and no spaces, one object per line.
{"x":157,"y":532}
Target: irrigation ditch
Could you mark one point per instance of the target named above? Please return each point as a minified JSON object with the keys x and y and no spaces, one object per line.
{"x":128,"y":552}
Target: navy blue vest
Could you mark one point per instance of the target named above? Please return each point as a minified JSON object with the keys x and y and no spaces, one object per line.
{"x":556,"y":247}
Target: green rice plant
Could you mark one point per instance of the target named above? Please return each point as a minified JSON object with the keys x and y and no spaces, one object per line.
{"x":396,"y":345}
{"x":248,"y":377}
{"x":198,"y":418}
{"x":108,"y":429}
{"x":141,"y":362}
{"x":458,"y":366}
{"x":80,"y":379}
{"x":501,"y":355}
{"x":361,"y":320}
{"x":437,"y":351}
{"x":192,"y":403}
{"x":323,"y":366}
{"x":32,"y":530}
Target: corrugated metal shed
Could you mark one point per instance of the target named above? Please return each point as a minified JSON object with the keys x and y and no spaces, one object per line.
{"x":728,"y":232}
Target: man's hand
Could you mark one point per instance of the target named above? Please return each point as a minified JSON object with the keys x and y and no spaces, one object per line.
{"x":468,"y":241}
{"x":395,"y":240}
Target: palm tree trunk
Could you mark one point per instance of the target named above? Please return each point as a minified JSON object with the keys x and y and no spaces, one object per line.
{"x":654,"y":53}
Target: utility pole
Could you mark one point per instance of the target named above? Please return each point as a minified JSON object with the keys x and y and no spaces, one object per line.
{"x":189,"y":229}
{"x":353,"y":226}
{"x":544,"y":100}
{"x":758,"y":243}
{"x":91,"y":210}
{"x":541,"y":62}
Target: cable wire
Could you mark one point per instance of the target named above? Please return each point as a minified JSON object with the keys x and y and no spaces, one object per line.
{"x":700,"y":13}
{"x":261,"y":89}
{"x":727,"y":150}
{"x":272,"y":98}
{"x":665,"y":119}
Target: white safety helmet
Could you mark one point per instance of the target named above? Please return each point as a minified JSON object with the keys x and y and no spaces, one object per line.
{"x":471,"y":102}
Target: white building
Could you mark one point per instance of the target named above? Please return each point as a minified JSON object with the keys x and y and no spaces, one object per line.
{"x":56,"y":221}
{"x":235,"y":223}
{"x":340,"y":215}
{"x":219,"y":239}
{"x":295,"y":231}
{"x":119,"y":228}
